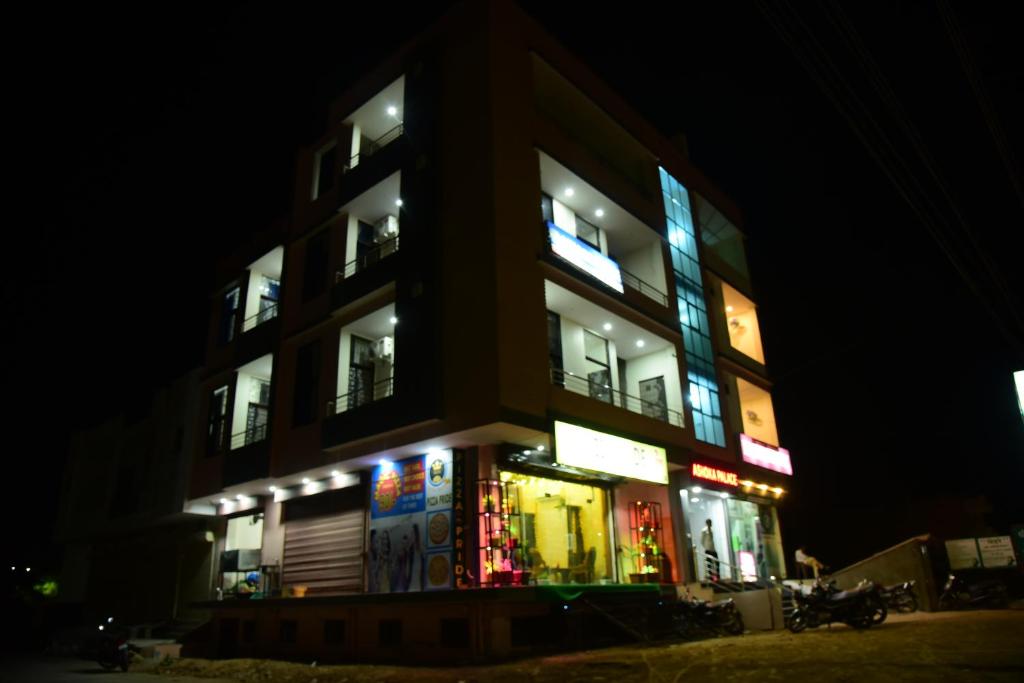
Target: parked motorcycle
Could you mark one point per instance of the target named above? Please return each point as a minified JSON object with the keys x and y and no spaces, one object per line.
{"x":860,"y":607}
{"x":958,"y":593}
{"x":900,"y":596}
{"x":693,"y":617}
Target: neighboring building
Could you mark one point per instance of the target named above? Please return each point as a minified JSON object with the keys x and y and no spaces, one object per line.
{"x":129,"y":550}
{"x":507,"y":336}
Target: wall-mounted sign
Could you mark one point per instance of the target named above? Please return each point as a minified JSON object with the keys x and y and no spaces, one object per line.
{"x":764,"y":455}
{"x":993,"y":552}
{"x":585,"y":257}
{"x":587,"y":449}
{"x":714,"y":474}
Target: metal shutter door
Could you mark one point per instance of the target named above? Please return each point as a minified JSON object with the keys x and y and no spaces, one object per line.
{"x":325,"y":553}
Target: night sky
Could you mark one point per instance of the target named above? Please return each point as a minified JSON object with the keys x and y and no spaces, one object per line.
{"x":148,"y":144}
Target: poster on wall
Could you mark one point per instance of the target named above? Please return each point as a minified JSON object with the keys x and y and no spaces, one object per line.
{"x":996,"y":552}
{"x":963,"y":554}
{"x":410,"y":524}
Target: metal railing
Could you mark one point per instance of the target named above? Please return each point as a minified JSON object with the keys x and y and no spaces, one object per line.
{"x":729,"y":578}
{"x":268,"y":313}
{"x":648,"y":290}
{"x":371,"y":147}
{"x":605,"y":393}
{"x":251,"y":435}
{"x":361,"y":397}
{"x":367,"y":259}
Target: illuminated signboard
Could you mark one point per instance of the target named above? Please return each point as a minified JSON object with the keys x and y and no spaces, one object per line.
{"x":577,"y":446}
{"x":1018,"y":379}
{"x":761,"y":454}
{"x":585,"y":257}
{"x":714,"y":474}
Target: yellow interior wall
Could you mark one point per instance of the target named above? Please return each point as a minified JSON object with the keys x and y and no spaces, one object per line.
{"x":756,"y":399}
{"x":741,"y":321}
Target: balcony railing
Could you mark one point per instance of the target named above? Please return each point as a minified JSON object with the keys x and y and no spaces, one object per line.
{"x":648,"y":290}
{"x":606,"y":394}
{"x":367,"y":259}
{"x":251,"y":435}
{"x":268,"y":313}
{"x":370,"y":148}
{"x":361,"y":397}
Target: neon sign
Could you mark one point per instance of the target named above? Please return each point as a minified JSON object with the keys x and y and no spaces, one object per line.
{"x":769,"y":457}
{"x":713,"y":474}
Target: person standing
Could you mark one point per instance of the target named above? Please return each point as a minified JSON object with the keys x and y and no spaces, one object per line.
{"x":707,"y":542}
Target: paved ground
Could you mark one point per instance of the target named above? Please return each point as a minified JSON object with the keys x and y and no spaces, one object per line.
{"x":967,"y":646}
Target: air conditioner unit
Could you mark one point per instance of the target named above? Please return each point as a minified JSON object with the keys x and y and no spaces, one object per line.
{"x":385,"y":229}
{"x":384,"y":348}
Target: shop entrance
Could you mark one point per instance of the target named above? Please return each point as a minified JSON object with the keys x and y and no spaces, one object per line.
{"x":743,"y":542}
{"x":561,"y":530}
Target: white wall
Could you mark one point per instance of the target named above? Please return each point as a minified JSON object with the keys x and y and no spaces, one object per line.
{"x":351,"y":239}
{"x":252,"y":296}
{"x":273,"y":535}
{"x":658,"y":363}
{"x":647,"y":264}
{"x":344,"y":353}
{"x":565,"y":218}
{"x":245,"y":387}
{"x":242,"y":534}
{"x":357,"y":135}
{"x":574,"y":356}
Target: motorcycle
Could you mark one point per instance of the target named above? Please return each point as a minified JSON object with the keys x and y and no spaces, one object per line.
{"x":860,"y":607}
{"x":694,"y":617}
{"x":959,"y":594}
{"x":900,"y":596}
{"x":113,"y":649}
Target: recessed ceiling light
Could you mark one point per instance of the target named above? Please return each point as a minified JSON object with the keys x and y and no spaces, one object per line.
{"x":607,"y":327}
{"x":696,"y":489}
{"x":540,"y":447}
{"x":223,"y":501}
{"x":393,"y":320}
{"x":599,"y":213}
{"x":305,"y":480}
{"x":640,"y":343}
{"x":392,"y":110}
{"x":728,"y":309}
{"x":271,"y":488}
{"x":335,"y":473}
{"x":569,"y":192}
{"x":398,"y":202}
{"x":239,"y":496}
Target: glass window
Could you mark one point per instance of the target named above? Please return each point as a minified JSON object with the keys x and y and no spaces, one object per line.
{"x":741,"y":318}
{"x":757,"y":412}
{"x":588,"y":233}
{"x":720,"y":237}
{"x":229,"y":315}
{"x":731,"y":538}
{"x":561,"y":530}
{"x":599,"y":375}
{"x":240,"y":562}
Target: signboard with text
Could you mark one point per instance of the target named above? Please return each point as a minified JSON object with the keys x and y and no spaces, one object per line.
{"x":588,"y":449}
{"x":715,"y":475}
{"x":992,"y":552}
{"x":585,"y":257}
{"x":765,"y":455}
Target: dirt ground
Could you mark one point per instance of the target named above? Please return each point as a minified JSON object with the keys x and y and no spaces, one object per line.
{"x":962,"y":646}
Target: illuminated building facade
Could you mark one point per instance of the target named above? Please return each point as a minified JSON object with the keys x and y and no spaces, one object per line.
{"x":505,"y":340}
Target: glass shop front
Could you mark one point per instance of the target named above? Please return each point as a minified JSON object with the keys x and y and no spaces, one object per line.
{"x":732,"y":529}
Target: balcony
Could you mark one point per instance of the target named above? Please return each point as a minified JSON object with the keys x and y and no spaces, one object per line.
{"x":376,"y":124}
{"x":265,"y":314}
{"x":604,"y":392}
{"x":263,"y":289}
{"x":249,"y":436}
{"x":594,"y":235}
{"x":361,"y":396}
{"x":371,"y":223}
{"x":367,"y":147}
{"x":367,"y":259}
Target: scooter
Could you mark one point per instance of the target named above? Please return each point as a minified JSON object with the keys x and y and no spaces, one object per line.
{"x":860,"y":607}
{"x":959,"y":594}
{"x":900,"y":596}
{"x":113,"y":649}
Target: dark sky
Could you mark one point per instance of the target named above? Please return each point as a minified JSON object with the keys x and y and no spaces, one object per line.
{"x":147,"y":144}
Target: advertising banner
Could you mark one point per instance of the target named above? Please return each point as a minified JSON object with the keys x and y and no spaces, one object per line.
{"x":963,"y":554}
{"x":996,"y":552}
{"x":411,"y":524}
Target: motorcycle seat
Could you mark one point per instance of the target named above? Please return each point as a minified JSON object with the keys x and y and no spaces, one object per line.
{"x":844,"y":595}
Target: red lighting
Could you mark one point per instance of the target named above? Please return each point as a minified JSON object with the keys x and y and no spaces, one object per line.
{"x":714,"y":474}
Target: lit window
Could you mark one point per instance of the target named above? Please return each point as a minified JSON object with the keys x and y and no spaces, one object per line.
{"x":741,"y":318}
{"x":757,"y":412}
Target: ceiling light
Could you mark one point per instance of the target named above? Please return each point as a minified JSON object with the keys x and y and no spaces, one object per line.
{"x":393,"y":320}
{"x":695,"y":500}
{"x":696,"y":489}
{"x":527,"y":452}
{"x":728,"y":309}
{"x":540,"y":447}
{"x":599,"y":213}
{"x":335,"y":473}
{"x":305,"y":480}
{"x":392,"y":110}
{"x":384,"y":464}
{"x":239,"y":496}
{"x":723,"y":494}
{"x":223,"y":501}
{"x":639,"y":343}
{"x":271,"y":488}
{"x":398,"y":202}
{"x":607,"y":327}
{"x":569,"y":192}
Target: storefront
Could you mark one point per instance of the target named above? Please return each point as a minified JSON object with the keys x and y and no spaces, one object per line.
{"x":731,"y":525}
{"x":594,"y":510}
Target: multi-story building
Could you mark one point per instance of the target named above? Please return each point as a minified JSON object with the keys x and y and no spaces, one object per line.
{"x":506,"y":338}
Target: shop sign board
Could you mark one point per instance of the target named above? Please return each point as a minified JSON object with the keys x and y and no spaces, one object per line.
{"x":765,"y":455}
{"x":714,"y":474}
{"x":585,"y":257}
{"x":411,"y":530}
{"x":992,"y":552}
{"x":587,"y":449}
